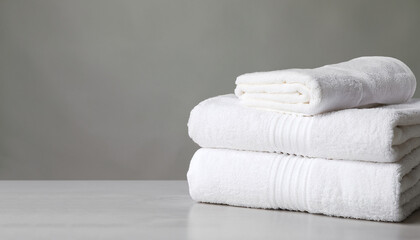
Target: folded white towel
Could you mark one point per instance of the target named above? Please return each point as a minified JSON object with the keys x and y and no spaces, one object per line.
{"x":358,"y":82}
{"x":381,"y":134}
{"x":364,"y":190}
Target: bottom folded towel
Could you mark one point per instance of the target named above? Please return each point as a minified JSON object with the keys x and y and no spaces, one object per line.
{"x":355,"y":189}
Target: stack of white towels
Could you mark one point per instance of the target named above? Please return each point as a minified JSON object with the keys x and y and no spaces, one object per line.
{"x":341,"y":140}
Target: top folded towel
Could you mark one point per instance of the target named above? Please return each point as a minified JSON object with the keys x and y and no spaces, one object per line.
{"x":356,"y":83}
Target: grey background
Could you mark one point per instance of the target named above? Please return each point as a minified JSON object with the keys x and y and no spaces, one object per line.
{"x":95,"y":89}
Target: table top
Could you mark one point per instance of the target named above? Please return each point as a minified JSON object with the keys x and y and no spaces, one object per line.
{"x":163,"y":210}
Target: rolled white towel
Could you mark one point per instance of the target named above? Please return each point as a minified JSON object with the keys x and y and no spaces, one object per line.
{"x":384,"y":133}
{"x":363,"y":190}
{"x":355,"y":83}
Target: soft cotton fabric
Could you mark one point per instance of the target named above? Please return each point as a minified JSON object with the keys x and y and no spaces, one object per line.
{"x":380,"y":134}
{"x":358,"y":82}
{"x":354,"y":189}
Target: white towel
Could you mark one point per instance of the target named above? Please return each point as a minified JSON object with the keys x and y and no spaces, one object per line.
{"x":358,"y":82}
{"x":381,"y":134}
{"x":363,"y":190}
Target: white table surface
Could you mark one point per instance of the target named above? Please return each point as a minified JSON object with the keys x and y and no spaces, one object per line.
{"x":162,"y":210}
